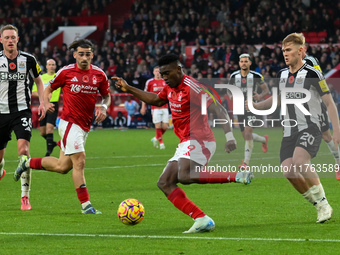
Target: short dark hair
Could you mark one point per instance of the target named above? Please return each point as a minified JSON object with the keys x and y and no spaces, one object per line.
{"x":83,"y":43}
{"x":168,"y":59}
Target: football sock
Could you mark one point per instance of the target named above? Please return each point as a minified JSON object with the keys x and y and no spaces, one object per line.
{"x":318,"y":193}
{"x":163,"y":131}
{"x":25,"y":182}
{"x":248,"y":150}
{"x":308,"y":195}
{"x":83,"y":205}
{"x":35,"y":163}
{"x":181,"y":202}
{"x":2,"y":165}
{"x":334,"y":151}
{"x":44,"y":136}
{"x":49,"y":142}
{"x":217,"y":177}
{"x":257,"y":138}
{"x":159,"y":135}
{"x":83,"y":194}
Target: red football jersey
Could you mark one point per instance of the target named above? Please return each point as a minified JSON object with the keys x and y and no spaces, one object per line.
{"x":185,"y":104}
{"x":155,"y":86}
{"x":80,"y":89}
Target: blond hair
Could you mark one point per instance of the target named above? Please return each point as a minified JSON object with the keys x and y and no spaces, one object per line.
{"x":9,"y":27}
{"x":295,"y":38}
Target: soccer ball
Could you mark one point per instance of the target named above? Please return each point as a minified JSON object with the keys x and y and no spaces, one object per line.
{"x":131,"y":211}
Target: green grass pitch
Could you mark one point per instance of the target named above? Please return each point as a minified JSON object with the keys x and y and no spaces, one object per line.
{"x":266,"y":217}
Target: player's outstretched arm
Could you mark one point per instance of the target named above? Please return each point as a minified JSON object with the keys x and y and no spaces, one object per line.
{"x":147,"y":97}
{"x":221,"y":113}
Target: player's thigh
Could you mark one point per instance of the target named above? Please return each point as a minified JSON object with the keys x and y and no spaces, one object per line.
{"x":309,"y":140}
{"x":198,"y":151}
{"x":22,"y":125}
{"x":169,"y":174}
{"x":73,"y":138}
{"x":5,"y":130}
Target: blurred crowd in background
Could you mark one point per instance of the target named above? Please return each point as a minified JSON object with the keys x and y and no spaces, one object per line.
{"x":219,"y":30}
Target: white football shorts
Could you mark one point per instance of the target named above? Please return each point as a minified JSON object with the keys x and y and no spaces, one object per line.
{"x":200,"y":152}
{"x":73,"y":138}
{"x":160,"y":115}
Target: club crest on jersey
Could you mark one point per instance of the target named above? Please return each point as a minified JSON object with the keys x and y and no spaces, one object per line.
{"x":76,"y":145}
{"x":22,"y":65}
{"x":180,"y":96}
{"x":299,"y":80}
{"x":94,"y":80}
{"x":12,"y":66}
{"x":85,"y":78}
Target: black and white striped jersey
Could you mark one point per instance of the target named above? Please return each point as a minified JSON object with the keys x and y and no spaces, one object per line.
{"x":312,"y":61}
{"x":253,"y":80}
{"x":312,"y":80}
{"x":15,"y":87}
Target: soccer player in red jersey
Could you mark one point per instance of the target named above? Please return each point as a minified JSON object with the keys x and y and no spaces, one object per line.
{"x":80,"y":83}
{"x":160,"y":115}
{"x":197,"y":142}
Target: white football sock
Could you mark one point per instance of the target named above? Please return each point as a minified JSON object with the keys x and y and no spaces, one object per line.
{"x":83,"y":205}
{"x":318,"y":193}
{"x":26,"y":183}
{"x":2,"y":165}
{"x":334,"y":151}
{"x":248,"y":150}
{"x":257,"y":138}
{"x":308,"y":195}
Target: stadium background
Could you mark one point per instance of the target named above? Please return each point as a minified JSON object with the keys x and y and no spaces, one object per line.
{"x":266,"y":217}
{"x":208,"y":35}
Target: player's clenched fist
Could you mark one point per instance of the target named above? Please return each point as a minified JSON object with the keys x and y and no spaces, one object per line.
{"x":230,"y":146}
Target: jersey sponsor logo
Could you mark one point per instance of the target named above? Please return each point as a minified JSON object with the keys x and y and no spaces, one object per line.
{"x":74,"y":79}
{"x":295,"y":95}
{"x":12,"y":66}
{"x":83,"y":88}
{"x":12,"y":76}
{"x":22,"y":65}
{"x":3,"y":66}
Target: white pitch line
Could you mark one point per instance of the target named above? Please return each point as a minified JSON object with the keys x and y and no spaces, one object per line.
{"x":180,"y":237}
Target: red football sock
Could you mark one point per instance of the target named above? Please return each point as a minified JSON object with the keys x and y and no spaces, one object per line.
{"x":217,"y":177}
{"x":35,"y":163}
{"x":159,"y":135}
{"x":83,"y":195}
{"x":181,"y":202}
{"x":163,"y":131}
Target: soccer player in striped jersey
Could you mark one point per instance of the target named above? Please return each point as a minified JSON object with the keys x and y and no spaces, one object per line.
{"x":80,"y":83}
{"x":197,"y":142}
{"x":160,"y":115}
{"x":246,"y":79}
{"x":302,"y":132}
{"x":326,"y":133}
{"x":15,"y":101}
